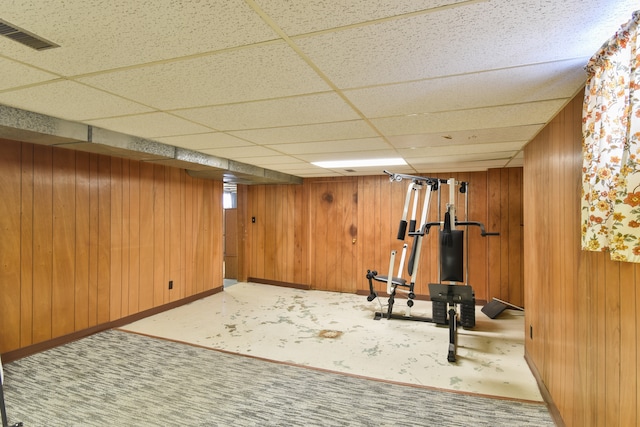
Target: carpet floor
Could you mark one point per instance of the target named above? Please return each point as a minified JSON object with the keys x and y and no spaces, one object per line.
{"x":118,"y":378}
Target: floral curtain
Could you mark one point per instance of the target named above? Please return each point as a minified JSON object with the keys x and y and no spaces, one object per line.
{"x":611,"y":148}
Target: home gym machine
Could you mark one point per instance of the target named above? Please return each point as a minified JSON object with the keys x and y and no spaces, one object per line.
{"x":451,"y":256}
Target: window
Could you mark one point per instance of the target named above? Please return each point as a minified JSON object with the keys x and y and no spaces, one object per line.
{"x":611,"y":148}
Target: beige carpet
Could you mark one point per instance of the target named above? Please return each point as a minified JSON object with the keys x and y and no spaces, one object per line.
{"x":336,"y":332}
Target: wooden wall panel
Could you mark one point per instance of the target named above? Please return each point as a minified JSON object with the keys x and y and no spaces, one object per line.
{"x":93,"y":239}
{"x":62,"y":298}
{"x":133,"y":296}
{"x":115,"y":296}
{"x":42,"y":242}
{"x":582,"y":307}
{"x":88,"y":239}
{"x":275,"y":249}
{"x":125,"y":236}
{"x":147,"y":220}
{"x":103,"y":309}
{"x":215,"y":260}
{"x":26,"y":244}
{"x":369,"y":209}
{"x":505,"y":269}
{"x":189,"y":237}
{"x":10,"y":243}
{"x":159,"y":245}
{"x":82,"y":245}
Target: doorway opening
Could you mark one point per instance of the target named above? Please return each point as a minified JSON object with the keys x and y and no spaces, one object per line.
{"x":230,"y":237}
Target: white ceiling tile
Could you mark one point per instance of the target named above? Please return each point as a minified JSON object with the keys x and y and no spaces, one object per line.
{"x":204,"y":140}
{"x":464,"y":149}
{"x":457,"y":166}
{"x":99,"y":35}
{"x":332,"y":146}
{"x":306,"y":16}
{"x":460,"y":158}
{"x":472,"y":136}
{"x":15,"y":74}
{"x":307,"y":133}
{"x":298,"y":110}
{"x":241,"y":152}
{"x":351,"y":155}
{"x":253,"y":73}
{"x":71,"y":101}
{"x":278,"y":162}
{"x":372,"y":170}
{"x":507,"y":86}
{"x":517,"y":161}
{"x":491,"y":35}
{"x":481,"y":118}
{"x":313,"y":173}
{"x":150,"y":125}
{"x":479,"y":78}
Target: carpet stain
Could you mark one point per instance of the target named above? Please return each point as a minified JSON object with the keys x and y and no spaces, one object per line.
{"x":328,"y":333}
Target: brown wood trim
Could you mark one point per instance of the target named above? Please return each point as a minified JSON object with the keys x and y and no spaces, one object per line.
{"x":10,"y":356}
{"x":278,"y":283}
{"x":546,"y":396}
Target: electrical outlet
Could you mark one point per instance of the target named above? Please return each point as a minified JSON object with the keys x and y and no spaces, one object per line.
{"x":170,"y":284}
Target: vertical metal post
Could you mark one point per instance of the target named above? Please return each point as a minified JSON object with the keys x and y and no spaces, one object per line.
{"x":466,"y":244}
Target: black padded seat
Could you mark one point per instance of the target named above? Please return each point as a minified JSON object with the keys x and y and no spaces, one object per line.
{"x":398,"y":281}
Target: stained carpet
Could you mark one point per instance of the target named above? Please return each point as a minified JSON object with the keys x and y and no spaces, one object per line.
{"x":336,"y":331}
{"x":118,"y":378}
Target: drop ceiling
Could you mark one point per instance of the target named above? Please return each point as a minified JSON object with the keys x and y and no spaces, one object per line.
{"x":448,"y":85}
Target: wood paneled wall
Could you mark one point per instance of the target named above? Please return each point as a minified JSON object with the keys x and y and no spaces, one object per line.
{"x":581,"y":306}
{"x":270,"y":218}
{"x":88,"y":239}
{"x":327,"y":232}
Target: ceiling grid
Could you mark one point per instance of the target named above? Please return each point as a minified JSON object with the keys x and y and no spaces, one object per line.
{"x":447,"y":85}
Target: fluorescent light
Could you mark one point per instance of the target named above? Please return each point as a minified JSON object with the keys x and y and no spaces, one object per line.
{"x":333,"y":164}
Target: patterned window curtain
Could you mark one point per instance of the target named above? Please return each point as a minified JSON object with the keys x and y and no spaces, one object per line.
{"x":611,"y":148}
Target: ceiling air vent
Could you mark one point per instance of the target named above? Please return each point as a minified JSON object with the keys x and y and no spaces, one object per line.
{"x":24,"y":37}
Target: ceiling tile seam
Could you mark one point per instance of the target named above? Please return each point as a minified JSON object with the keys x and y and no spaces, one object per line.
{"x":470,"y":73}
{"x":318,"y":140}
{"x":458,"y":143}
{"x":66,"y":79}
{"x":175,"y":59}
{"x":500,"y":153}
{"x":32,"y":85}
{"x":389,"y":18}
{"x":484,"y":107}
{"x":27,"y":64}
{"x":294,"y":126}
{"x":154,"y":109}
{"x":147,"y":113}
{"x":271,"y":23}
{"x":251,"y":101}
{"x":515,"y":156}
